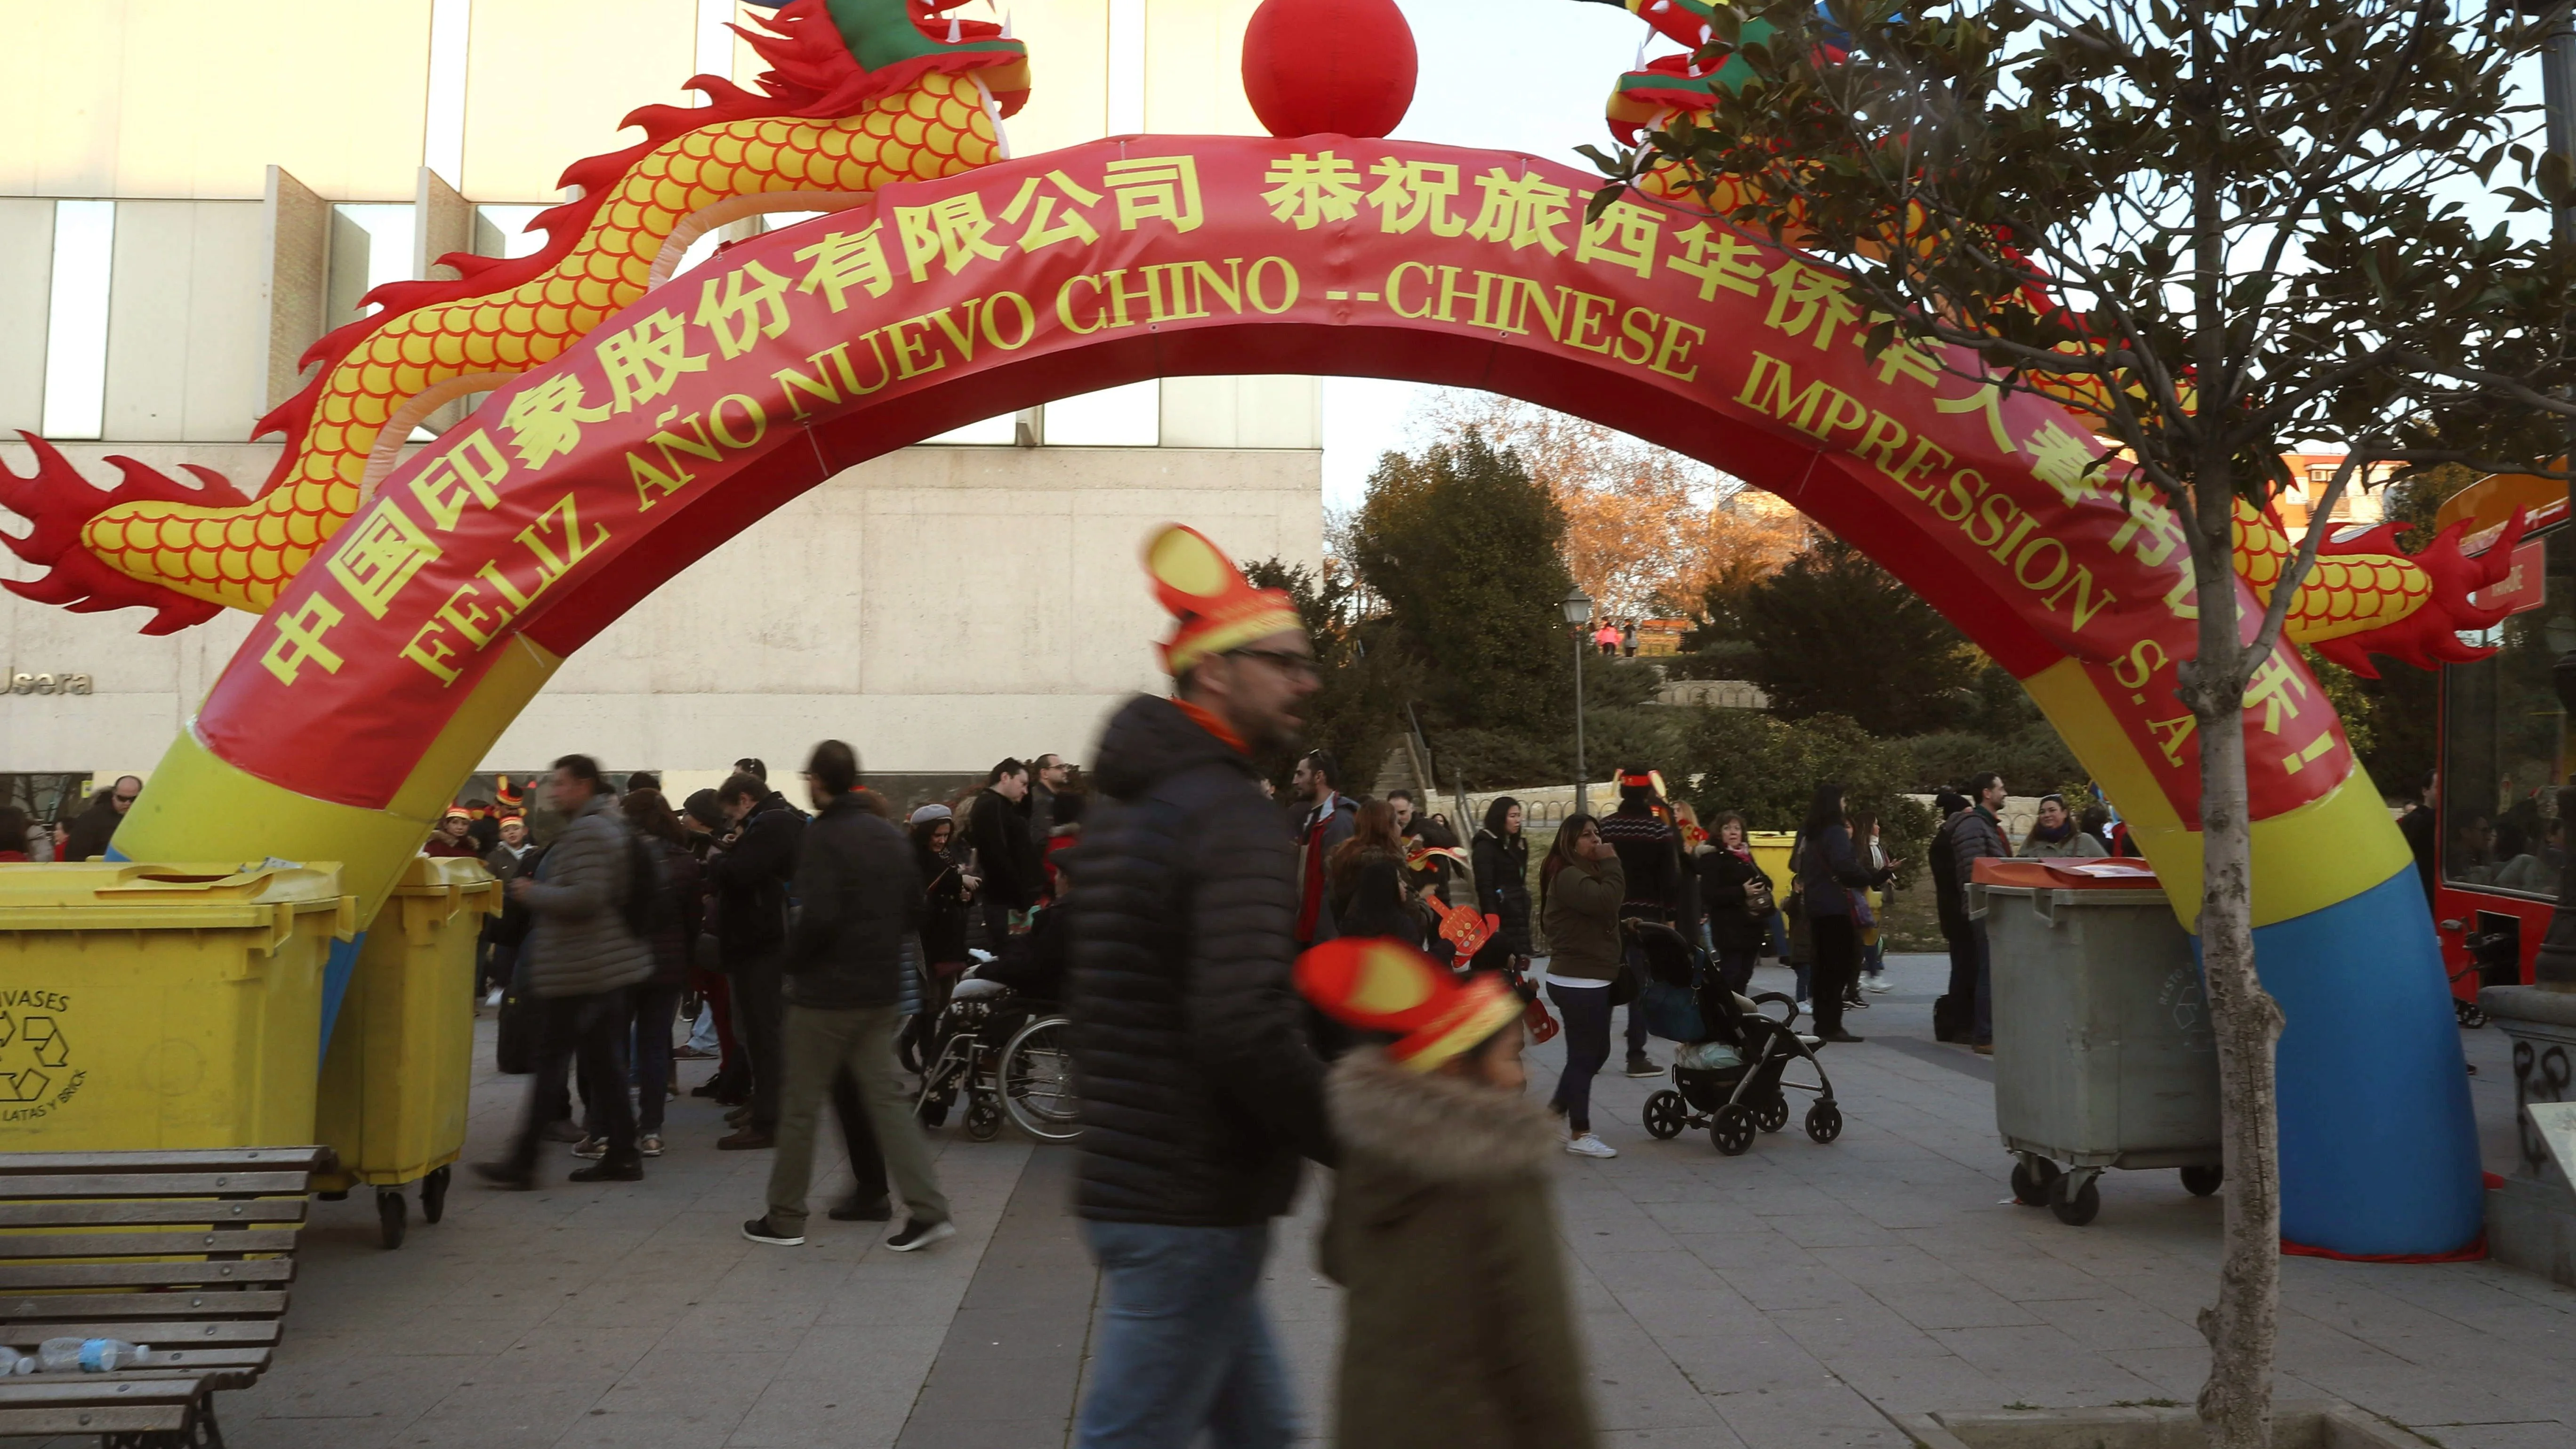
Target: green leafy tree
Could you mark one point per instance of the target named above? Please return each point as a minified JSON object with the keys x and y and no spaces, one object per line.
{"x":1768,"y":769}
{"x":1833,"y":633}
{"x":1357,"y":709}
{"x":1465,"y":549}
{"x":2257,"y":209}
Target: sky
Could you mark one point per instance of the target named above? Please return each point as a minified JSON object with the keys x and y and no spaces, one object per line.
{"x":1507,"y":75}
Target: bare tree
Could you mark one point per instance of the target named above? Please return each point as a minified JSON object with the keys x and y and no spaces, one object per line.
{"x":2220,"y":231}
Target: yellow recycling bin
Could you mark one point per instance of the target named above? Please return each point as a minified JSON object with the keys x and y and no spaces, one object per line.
{"x":1771,"y":857}
{"x":401,"y":1059}
{"x":152,"y":1006}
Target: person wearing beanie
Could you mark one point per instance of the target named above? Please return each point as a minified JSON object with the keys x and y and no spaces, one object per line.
{"x":1459,"y":1327}
{"x":1201,"y":1090}
{"x":1650,"y":856}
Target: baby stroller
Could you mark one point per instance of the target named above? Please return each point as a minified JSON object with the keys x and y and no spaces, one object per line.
{"x":1738,"y":1076}
{"x":1001,"y":1044}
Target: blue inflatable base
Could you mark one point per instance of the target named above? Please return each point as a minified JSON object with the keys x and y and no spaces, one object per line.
{"x":2379,"y":1144}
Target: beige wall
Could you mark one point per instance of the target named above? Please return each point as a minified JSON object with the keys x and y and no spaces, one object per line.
{"x":1194,"y":67}
{"x":546,"y":82}
{"x":183,"y":98}
{"x":187,"y":326}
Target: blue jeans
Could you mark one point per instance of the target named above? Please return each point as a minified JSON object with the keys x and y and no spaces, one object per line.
{"x":1586,"y":1010}
{"x":1185,"y":1347}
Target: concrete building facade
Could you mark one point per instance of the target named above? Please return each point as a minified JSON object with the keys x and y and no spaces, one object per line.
{"x":190,"y":195}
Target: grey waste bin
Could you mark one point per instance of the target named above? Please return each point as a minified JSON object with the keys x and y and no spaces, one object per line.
{"x":2103,"y":1050}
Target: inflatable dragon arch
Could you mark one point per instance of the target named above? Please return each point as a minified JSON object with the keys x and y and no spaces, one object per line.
{"x":862,"y":94}
{"x":413,"y":606}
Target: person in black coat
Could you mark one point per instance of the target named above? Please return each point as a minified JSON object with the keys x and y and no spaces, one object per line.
{"x":1200,"y":1089}
{"x":1004,"y":853}
{"x":1828,"y":872}
{"x":1956,"y":931}
{"x":1500,"y":857}
{"x":1368,"y":880}
{"x":1727,"y":877}
{"x":750,"y":873}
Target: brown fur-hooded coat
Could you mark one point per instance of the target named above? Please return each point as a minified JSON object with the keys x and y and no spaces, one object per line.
{"x":1461,"y":1330}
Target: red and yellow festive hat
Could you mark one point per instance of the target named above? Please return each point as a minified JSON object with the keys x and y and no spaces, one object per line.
{"x":1214,"y":607}
{"x":1380,"y":985}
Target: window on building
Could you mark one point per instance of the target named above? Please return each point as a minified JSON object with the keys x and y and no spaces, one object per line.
{"x":502,"y":231}
{"x":76,"y":319}
{"x":2504,"y":747}
{"x":998,"y":432}
{"x":1117,"y":417}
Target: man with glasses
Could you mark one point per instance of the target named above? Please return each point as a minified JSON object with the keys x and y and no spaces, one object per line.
{"x":1330,"y":818}
{"x":93,"y":828}
{"x":1047,"y":774}
{"x":1200,"y":1089}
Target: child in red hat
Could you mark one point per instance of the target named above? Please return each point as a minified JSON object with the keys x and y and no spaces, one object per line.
{"x":1460,"y":1328}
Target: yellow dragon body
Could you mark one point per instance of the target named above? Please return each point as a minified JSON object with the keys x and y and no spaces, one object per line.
{"x":861,"y":94}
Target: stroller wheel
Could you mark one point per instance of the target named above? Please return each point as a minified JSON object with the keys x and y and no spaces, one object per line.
{"x":1665,"y":1115}
{"x":2032,"y":1179}
{"x":983,"y":1120}
{"x":2470,"y":1014}
{"x":1733,"y":1129}
{"x":1824,"y":1122}
{"x":1773,"y":1113}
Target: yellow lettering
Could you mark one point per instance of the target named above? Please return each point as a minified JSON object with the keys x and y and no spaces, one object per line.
{"x":1119,"y":297}
{"x":1918,"y":462}
{"x":1997,"y":513}
{"x":1028,"y":320}
{"x":1674,"y":350}
{"x":909,"y":351}
{"x":964,"y":340}
{"x":469,"y":620}
{"x":1644,"y":336}
{"x":1285,"y":276}
{"x":2081,"y":586}
{"x":1884,"y":437}
{"x":818,"y":387}
{"x":434,"y":655}
{"x":2135,"y":663}
{"x":1959,"y":494}
{"x":1395,"y":289}
{"x":1064,"y":304}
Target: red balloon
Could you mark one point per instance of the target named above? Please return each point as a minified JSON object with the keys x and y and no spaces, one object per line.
{"x":1344,"y":66}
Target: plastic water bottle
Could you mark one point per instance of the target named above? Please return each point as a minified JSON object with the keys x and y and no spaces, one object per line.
{"x":89,"y":1355}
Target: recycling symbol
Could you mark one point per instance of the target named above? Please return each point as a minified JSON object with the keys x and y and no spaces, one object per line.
{"x":37,"y":1040}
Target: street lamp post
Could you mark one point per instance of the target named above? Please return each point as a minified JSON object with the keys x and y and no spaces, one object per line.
{"x":1578,"y":612}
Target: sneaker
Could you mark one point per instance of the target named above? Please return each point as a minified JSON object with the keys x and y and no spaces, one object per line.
{"x":1805,"y":1006}
{"x":1879,"y":983}
{"x":879,"y":1211}
{"x":1838,"y":1036}
{"x":759,"y":1231}
{"x":917,"y":1234}
{"x":1856,"y":1003}
{"x":562,"y":1130}
{"x":1584,"y":1144}
{"x":1642,"y":1065}
{"x":650,"y":1144}
{"x":593,"y":1148}
{"x":493,"y":999}
{"x":749,"y":1139}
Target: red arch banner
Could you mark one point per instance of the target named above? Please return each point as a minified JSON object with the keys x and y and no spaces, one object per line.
{"x":575,"y":490}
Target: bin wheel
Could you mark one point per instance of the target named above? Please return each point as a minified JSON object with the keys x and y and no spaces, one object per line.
{"x":393,"y":1217}
{"x":433,"y":1194}
{"x":1732,"y":1130}
{"x":1773,"y":1113}
{"x":2033,"y":1179}
{"x":983,"y":1120}
{"x":2202,"y":1181}
{"x":2075,"y":1206}
{"x":1665,"y":1115}
{"x":1824,"y":1122}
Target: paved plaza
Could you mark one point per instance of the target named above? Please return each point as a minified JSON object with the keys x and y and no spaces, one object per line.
{"x":1798,"y":1295}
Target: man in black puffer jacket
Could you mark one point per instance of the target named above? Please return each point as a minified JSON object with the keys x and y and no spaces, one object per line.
{"x":1200,"y":1090}
{"x":750,"y":873}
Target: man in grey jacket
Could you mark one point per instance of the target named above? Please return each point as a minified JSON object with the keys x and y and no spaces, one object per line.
{"x":857,"y":898}
{"x":581,"y":959}
{"x":1978,"y":834}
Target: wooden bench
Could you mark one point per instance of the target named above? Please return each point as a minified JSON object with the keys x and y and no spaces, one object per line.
{"x":188,"y":1252}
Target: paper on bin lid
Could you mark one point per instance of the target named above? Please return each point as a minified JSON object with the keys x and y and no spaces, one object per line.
{"x":2098,"y":873}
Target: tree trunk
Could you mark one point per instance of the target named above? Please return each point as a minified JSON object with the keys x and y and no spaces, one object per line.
{"x":2243,"y":1327}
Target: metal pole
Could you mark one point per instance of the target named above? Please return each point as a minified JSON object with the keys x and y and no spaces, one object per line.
{"x":1582,"y":776}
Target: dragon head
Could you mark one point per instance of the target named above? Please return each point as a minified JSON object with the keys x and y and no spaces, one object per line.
{"x":885,"y":44}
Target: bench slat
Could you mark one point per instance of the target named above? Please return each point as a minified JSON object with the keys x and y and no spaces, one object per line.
{"x":24,"y":1389}
{"x":128,"y":1245}
{"x":211,"y":1302}
{"x":182,"y":1159}
{"x":143,"y":1418}
{"x":137,"y":1212}
{"x":154,"y":1184}
{"x":173,"y":1333}
{"x":15,"y":1277}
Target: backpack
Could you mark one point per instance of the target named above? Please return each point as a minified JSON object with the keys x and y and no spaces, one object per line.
{"x":647,"y":906}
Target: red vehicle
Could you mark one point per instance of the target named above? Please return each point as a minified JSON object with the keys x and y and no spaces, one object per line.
{"x":2498,"y":845}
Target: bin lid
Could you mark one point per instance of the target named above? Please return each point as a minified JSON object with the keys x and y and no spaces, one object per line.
{"x":2116,"y":873}
{"x":148,"y":895}
{"x":437,"y":873}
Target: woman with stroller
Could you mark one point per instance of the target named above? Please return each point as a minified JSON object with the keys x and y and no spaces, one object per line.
{"x":1501,"y":860}
{"x":1580,"y":888}
{"x":1828,"y":872}
{"x":1737,"y":896}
